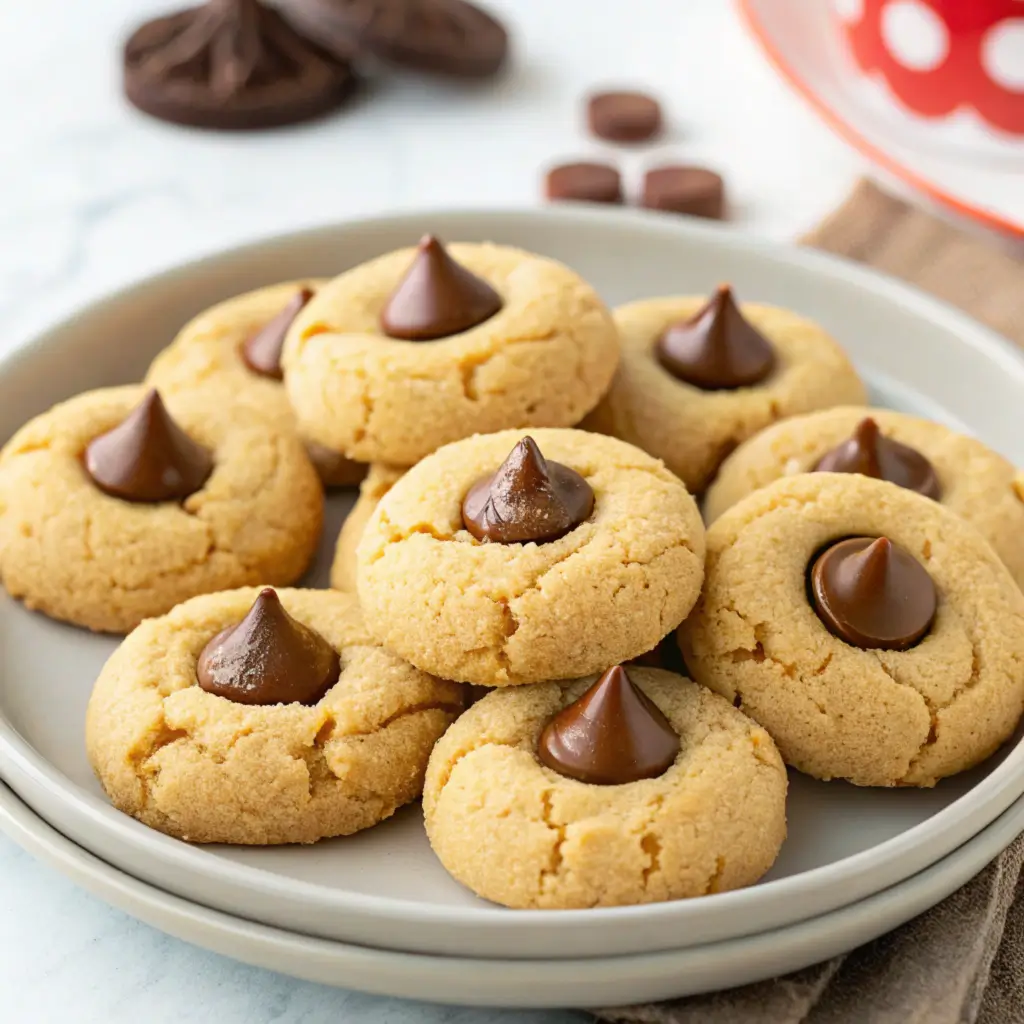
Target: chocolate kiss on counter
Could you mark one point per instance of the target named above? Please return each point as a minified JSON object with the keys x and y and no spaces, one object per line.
{"x":716,"y":349}
{"x":262,"y":351}
{"x":869,"y":453}
{"x":873,"y":593}
{"x":437,"y":298}
{"x":148,"y":457}
{"x":613,"y":734}
{"x":528,"y":499}
{"x":268,"y":658}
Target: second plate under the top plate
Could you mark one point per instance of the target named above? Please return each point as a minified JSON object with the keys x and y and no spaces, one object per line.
{"x":384,"y":887}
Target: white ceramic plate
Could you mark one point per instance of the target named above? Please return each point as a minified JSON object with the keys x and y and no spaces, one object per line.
{"x":384,"y":888}
{"x":799,"y":38}
{"x":603,"y":981}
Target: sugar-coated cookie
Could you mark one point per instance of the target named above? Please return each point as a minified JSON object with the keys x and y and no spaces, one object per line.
{"x":380,"y":478}
{"x":697,"y":378}
{"x":869,"y":629}
{"x":959,"y":471}
{"x":421,"y":347}
{"x":524,"y":816}
{"x":184,"y":501}
{"x":229,"y":355}
{"x":511,"y":558}
{"x":173,"y":751}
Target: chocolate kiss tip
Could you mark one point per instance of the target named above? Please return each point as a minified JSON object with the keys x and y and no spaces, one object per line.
{"x":268,"y":658}
{"x":437,"y":297}
{"x":147,"y":457}
{"x":611,"y":735}
{"x":527,"y":499}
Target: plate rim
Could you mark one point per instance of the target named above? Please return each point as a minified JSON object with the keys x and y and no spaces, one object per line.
{"x":194,"y":923}
{"x":19,"y":756}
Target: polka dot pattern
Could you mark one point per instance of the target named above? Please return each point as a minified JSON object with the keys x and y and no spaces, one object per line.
{"x":939,"y":57}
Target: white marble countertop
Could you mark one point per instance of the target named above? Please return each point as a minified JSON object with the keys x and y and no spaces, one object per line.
{"x":96,"y":196}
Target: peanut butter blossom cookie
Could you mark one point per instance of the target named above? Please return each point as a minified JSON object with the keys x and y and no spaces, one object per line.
{"x":114,"y":507}
{"x":421,"y":347}
{"x":506,"y":559}
{"x":261,"y":717}
{"x":874,"y":633}
{"x":699,"y":377}
{"x":230,"y":357}
{"x":958,"y":471}
{"x":638,"y":787}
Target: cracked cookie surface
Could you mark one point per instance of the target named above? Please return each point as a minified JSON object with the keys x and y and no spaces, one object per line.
{"x":518,"y":833}
{"x":874,"y":717}
{"x":693,"y":430}
{"x":206,"y":769}
{"x":543,"y":360}
{"x":380,"y":478}
{"x":504,"y":614}
{"x":77,"y":554}
{"x":204,"y":361}
{"x":975,"y":483}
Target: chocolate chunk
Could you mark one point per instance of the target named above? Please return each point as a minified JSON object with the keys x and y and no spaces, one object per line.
{"x":437,"y":298}
{"x":528,"y":499}
{"x":612,"y":735}
{"x":716,"y":349}
{"x":666,"y":656}
{"x":262,"y":352}
{"x":231,"y":64}
{"x":584,"y":183}
{"x":694,"y":190}
{"x":869,"y":453}
{"x":268,"y":658}
{"x":446,"y":37}
{"x":148,"y":457}
{"x":624,"y":116}
{"x":873,"y":593}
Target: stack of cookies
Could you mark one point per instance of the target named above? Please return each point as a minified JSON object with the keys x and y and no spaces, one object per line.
{"x":529,"y":625}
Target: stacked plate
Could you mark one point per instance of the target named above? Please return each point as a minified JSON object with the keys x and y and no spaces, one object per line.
{"x":376,"y":911}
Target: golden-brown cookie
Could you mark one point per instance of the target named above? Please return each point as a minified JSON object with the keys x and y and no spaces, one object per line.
{"x":973,"y":480}
{"x":206,"y":361}
{"x":544,"y":359}
{"x":209,"y":770}
{"x":379,"y":480}
{"x":500,"y":614}
{"x":517,"y":832}
{"x":76,"y":553}
{"x":693,"y":429}
{"x":877,"y":717}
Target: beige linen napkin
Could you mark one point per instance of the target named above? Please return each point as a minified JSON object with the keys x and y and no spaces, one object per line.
{"x":963,"y":961}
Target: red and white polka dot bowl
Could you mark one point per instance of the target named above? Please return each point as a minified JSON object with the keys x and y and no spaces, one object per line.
{"x":949,"y":63}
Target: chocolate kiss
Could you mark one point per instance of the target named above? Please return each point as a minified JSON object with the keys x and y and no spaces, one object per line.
{"x":528,"y":499}
{"x":262,"y":351}
{"x":873,"y":593}
{"x":869,"y":453}
{"x":268,"y":658}
{"x":613,"y":734}
{"x":437,"y":297}
{"x":148,"y":457}
{"x":717,"y":348}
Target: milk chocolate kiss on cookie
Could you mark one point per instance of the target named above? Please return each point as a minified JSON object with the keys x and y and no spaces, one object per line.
{"x":148,"y":457}
{"x":437,"y":297}
{"x":873,"y":593}
{"x":869,"y":453}
{"x":262,"y":350}
{"x":716,"y":349}
{"x":611,"y":735}
{"x":528,"y":499}
{"x":268,"y":658}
